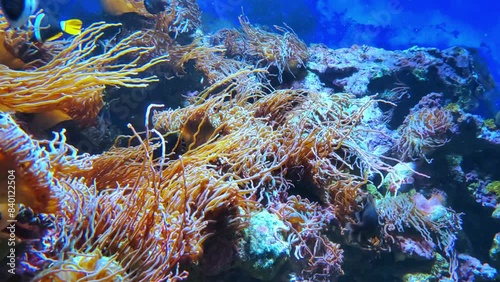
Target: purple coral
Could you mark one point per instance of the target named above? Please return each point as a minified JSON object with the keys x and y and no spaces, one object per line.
{"x":471,"y":268}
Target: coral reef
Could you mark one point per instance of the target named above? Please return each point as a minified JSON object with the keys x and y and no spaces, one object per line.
{"x":246,"y":154}
{"x":362,"y":70}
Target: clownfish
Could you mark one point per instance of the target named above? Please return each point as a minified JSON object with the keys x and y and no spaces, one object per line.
{"x":48,"y":28}
{"x":18,"y":12}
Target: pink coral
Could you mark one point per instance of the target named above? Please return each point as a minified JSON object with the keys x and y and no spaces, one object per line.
{"x":415,"y":248}
{"x":429,"y":206}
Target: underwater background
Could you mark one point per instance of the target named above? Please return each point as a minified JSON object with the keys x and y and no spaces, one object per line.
{"x":233,"y":140}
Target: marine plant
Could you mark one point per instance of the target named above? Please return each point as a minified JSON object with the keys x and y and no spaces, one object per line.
{"x":257,"y":143}
{"x":435,"y":224}
{"x":426,"y":127}
{"x":74,"y":79}
{"x":260,"y":48}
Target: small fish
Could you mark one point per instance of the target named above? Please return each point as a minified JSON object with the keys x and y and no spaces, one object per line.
{"x":48,"y":28}
{"x":366,"y":225}
{"x":155,"y":6}
{"x":18,"y":12}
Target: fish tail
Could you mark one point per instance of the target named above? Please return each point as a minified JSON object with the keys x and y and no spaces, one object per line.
{"x":73,"y":26}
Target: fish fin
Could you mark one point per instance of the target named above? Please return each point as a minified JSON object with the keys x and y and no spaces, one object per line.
{"x":73,"y":26}
{"x":57,"y":36}
{"x":49,"y":119}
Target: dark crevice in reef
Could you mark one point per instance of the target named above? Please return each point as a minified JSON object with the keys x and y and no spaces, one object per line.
{"x":303,"y":186}
{"x":331,"y":77}
{"x":363,"y":266}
